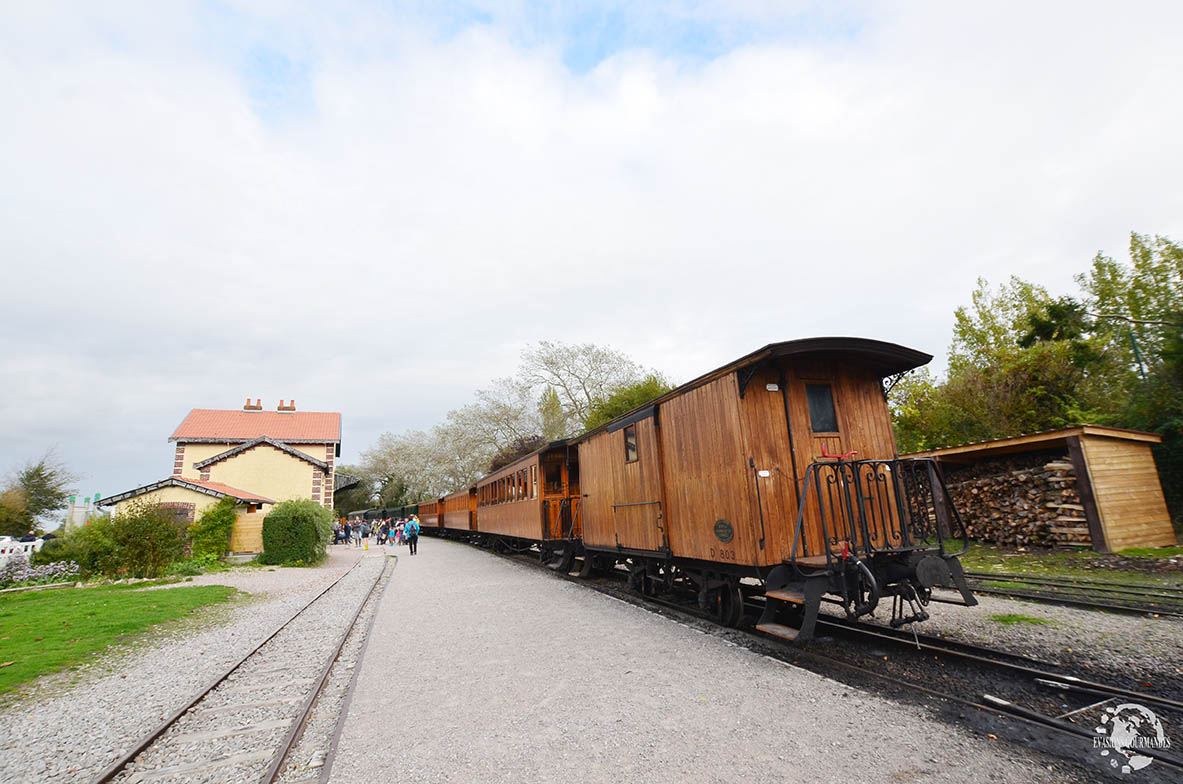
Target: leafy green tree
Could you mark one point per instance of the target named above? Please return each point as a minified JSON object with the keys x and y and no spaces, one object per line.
{"x":624,"y":398}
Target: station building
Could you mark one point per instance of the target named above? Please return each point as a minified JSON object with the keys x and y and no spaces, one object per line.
{"x":257,"y":457}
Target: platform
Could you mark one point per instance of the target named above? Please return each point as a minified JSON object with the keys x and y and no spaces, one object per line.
{"x":484,"y":670}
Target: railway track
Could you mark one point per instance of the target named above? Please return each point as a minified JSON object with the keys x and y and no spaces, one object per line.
{"x":244,"y":723}
{"x":1108,"y":596}
{"x":1046,"y":682}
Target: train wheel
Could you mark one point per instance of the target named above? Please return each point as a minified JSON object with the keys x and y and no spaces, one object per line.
{"x":726,"y":605}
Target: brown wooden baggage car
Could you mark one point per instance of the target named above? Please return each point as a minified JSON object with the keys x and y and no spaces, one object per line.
{"x":459,"y":511}
{"x":534,"y":498}
{"x":705,"y":486}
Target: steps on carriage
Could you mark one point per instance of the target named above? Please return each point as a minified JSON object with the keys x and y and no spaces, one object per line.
{"x":786,"y":595}
{"x":778,"y":630}
{"x":791,"y":602}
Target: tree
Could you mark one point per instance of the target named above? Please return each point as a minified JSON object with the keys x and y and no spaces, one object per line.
{"x":625,"y":398}
{"x":579,"y":375}
{"x":519,"y":448}
{"x":46,"y":486}
{"x":1022,"y":361}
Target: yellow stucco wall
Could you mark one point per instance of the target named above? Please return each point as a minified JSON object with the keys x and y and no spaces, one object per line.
{"x":195,"y":453}
{"x":266,"y":471}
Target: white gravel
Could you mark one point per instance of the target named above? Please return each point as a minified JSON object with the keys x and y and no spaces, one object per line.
{"x":481,"y":670}
{"x":59,"y":729}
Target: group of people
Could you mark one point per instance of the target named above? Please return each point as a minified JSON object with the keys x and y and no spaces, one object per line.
{"x":385,"y":531}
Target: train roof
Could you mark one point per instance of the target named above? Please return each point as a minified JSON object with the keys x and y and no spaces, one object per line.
{"x":886,"y":359}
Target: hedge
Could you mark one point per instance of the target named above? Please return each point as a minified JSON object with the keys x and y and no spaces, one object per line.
{"x":296,"y":533}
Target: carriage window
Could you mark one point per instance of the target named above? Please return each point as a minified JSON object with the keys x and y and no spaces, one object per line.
{"x":553,"y":475}
{"x":533,"y":481}
{"x":630,"y":443}
{"x":822,"y":417}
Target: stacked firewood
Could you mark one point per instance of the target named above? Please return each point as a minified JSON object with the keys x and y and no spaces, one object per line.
{"x":1020,"y":500}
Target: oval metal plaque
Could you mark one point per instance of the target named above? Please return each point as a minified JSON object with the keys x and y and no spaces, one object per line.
{"x":723,"y":531}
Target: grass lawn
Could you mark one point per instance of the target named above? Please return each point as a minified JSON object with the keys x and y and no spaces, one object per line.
{"x":1068,"y":564}
{"x":47,"y":631}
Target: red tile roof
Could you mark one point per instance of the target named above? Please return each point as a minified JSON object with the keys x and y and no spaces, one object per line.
{"x":206,"y":424}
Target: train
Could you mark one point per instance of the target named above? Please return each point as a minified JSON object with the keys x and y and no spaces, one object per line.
{"x":775,"y":475}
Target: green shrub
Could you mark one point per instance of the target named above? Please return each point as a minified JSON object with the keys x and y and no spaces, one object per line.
{"x":147,"y":539}
{"x":296,"y":531}
{"x":211,"y":534}
{"x":142,"y":542}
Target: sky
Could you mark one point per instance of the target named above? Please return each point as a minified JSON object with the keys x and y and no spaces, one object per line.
{"x":373,"y":207}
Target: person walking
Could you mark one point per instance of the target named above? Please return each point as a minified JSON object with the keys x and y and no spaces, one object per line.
{"x":412,"y":534}
{"x":357,"y":534}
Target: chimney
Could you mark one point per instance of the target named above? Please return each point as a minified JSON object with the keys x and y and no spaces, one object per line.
{"x":291,"y":406}
{"x":258,"y":406}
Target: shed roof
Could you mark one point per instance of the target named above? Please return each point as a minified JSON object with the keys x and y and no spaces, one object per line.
{"x":1030,"y":442}
{"x":216,"y":489}
{"x":293,"y":427}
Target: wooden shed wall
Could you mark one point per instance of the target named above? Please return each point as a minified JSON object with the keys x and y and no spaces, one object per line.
{"x":607,"y":480}
{"x":1128,"y":493}
{"x":457,"y":511}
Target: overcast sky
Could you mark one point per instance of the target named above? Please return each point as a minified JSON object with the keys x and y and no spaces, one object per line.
{"x":372,"y":209}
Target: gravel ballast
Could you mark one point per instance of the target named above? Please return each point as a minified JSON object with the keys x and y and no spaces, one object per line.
{"x":59,"y":730}
{"x":482,"y":670}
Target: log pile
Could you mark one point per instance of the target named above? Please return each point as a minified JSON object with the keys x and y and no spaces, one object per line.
{"x":1020,"y":500}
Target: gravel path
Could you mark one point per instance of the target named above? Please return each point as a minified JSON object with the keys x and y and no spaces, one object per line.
{"x":523,"y":678}
{"x":59,"y":730}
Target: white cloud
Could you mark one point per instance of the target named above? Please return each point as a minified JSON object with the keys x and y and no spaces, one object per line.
{"x":435,"y":200}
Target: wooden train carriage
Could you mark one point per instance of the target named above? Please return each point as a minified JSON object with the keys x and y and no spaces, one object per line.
{"x":708,"y":480}
{"x":429,"y":516}
{"x":536,"y":497}
{"x":459,"y":511}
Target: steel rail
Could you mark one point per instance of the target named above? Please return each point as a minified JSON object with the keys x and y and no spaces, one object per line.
{"x":296,"y":731}
{"x":1149,"y":592}
{"x":111,"y":771}
{"x":1072,"y":582}
{"x":339,"y":727}
{"x":1100,"y":688}
{"x":1069,"y":601}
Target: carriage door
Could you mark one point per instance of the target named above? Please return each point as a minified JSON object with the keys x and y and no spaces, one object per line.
{"x":815,"y":408}
{"x":768,"y":461}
